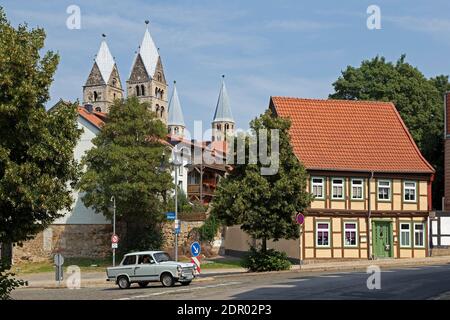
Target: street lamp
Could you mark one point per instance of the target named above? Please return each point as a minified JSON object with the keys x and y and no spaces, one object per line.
{"x":177,"y":164}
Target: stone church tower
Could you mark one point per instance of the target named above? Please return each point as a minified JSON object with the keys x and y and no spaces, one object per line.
{"x":103,"y":85}
{"x":147,"y":81}
{"x":223,"y":122}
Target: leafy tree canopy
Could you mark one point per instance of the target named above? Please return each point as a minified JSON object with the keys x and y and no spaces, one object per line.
{"x":125,"y":163}
{"x":36,"y":147}
{"x":419,"y":101}
{"x":264,"y":205}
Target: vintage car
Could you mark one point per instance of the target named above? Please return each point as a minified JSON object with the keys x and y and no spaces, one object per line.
{"x":149,"y":266}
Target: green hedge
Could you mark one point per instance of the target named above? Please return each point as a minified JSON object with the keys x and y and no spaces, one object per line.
{"x":269,"y":260}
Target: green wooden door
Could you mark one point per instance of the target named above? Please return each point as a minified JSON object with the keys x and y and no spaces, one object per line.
{"x":382,"y":235}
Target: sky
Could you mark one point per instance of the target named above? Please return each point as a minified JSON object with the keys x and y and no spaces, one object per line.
{"x":264,"y":48}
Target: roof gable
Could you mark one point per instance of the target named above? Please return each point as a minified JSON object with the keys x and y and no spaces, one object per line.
{"x":345,"y":135}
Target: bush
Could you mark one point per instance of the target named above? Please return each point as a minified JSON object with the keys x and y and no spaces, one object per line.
{"x":209,"y":229}
{"x":8,"y":283}
{"x":269,"y":260}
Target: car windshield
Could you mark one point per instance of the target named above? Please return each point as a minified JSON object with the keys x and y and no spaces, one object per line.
{"x":161,"y":257}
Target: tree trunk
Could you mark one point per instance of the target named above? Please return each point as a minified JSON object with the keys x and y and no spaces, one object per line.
{"x":6,"y":253}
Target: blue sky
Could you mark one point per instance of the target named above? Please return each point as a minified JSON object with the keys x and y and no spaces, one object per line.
{"x":287,"y":48}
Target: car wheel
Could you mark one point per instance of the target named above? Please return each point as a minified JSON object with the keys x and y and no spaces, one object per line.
{"x":185,"y":283}
{"x":167,"y":280}
{"x":143,"y":284}
{"x":123,"y":282}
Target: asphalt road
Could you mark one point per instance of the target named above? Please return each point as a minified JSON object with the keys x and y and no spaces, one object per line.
{"x":425,"y":282}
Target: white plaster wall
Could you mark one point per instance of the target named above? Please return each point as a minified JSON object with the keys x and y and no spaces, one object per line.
{"x":79,"y":214}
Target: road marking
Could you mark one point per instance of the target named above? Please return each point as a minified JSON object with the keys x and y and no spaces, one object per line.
{"x":407,"y":269}
{"x":180,"y":290}
{"x":330,"y":276}
{"x":388,"y":271}
{"x":299,"y":280}
{"x":280,"y":286}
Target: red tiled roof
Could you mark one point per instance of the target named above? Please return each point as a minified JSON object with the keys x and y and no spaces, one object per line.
{"x":97,"y":119}
{"x":344,"y":135}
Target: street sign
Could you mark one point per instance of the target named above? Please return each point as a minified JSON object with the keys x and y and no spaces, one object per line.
{"x":170,"y":215}
{"x":58,"y":259}
{"x":300,"y":218}
{"x":195,"y":249}
{"x":114,"y":245}
{"x":196,"y":261}
{"x":115,"y":238}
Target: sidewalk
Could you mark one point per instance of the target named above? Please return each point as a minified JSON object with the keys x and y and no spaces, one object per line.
{"x":93,"y":279}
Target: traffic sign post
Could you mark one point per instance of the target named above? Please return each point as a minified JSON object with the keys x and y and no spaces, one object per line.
{"x":300,"y":219}
{"x":59,"y":261}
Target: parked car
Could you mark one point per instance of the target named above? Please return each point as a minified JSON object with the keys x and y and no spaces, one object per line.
{"x":150,"y":266}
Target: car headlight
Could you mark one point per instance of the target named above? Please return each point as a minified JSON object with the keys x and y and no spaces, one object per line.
{"x":179,"y":269}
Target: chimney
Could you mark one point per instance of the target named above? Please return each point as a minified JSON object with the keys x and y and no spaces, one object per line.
{"x":89,"y":107}
{"x":447,"y":152}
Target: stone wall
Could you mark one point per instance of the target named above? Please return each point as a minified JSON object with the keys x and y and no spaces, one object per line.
{"x":93,"y":241}
{"x":189,"y":223}
{"x":90,"y":241}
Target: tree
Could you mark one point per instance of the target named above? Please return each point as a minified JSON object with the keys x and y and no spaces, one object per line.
{"x":36,"y":147}
{"x":419,"y":101}
{"x":125,"y":163}
{"x":264,"y":205}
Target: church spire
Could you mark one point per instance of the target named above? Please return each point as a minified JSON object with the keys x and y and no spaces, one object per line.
{"x":223,"y":110}
{"x":105,"y":61}
{"x":223,"y":121}
{"x":175,"y":119}
{"x":103,"y":85}
{"x":147,"y":81}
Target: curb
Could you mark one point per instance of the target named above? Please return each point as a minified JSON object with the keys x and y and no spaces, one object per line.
{"x":89,"y":284}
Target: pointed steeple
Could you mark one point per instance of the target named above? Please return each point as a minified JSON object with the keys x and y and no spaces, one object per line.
{"x":103,"y":84}
{"x":175,"y":116}
{"x":105,"y":61}
{"x":149,"y":53}
{"x":147,"y":81}
{"x":223,"y":110}
{"x":223,"y":121}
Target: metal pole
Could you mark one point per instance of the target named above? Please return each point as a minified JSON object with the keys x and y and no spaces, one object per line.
{"x":176,"y":210}
{"x":114,"y":229}
{"x":300,"y":247}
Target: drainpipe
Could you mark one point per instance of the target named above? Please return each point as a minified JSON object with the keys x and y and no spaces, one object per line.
{"x":369,"y":220}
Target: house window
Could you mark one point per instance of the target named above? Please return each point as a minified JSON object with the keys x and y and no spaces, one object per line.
{"x":317,"y":187}
{"x":350,"y":234}
{"x":409,"y":191}
{"x":337,"y":189}
{"x":419,"y":235}
{"x":384,"y":190}
{"x":357,"y":189}
{"x":323,"y":234}
{"x":137,"y":91}
{"x":405,"y":235}
{"x":180,"y":171}
{"x":162,"y":111}
{"x":142,"y":90}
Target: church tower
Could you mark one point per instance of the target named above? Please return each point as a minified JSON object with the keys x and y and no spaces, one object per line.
{"x":223,"y":122}
{"x":175,"y":120}
{"x":103,"y":85}
{"x":147,"y":81}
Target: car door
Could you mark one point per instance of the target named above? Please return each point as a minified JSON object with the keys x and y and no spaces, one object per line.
{"x":145,"y":269}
